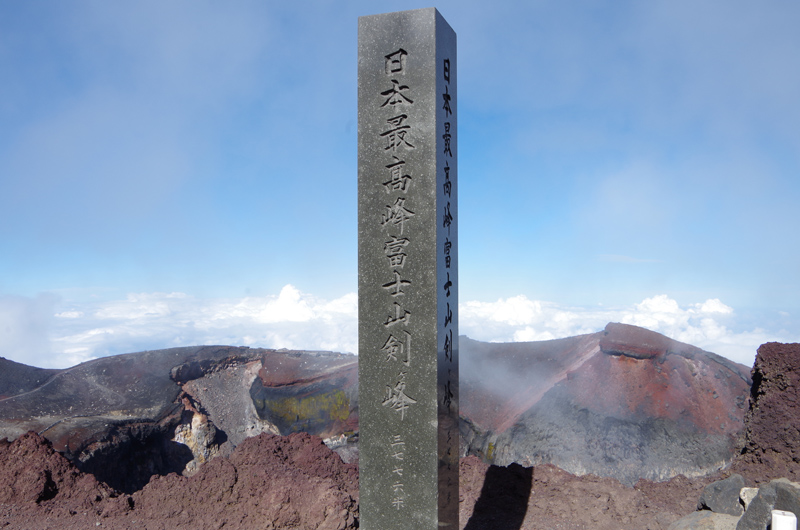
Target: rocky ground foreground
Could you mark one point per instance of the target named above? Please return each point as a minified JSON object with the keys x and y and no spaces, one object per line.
{"x":295,"y":481}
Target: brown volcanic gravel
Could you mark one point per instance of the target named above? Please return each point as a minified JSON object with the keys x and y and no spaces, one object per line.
{"x":546,"y":498}
{"x":295,"y":481}
{"x":33,"y":474}
{"x":268,"y":482}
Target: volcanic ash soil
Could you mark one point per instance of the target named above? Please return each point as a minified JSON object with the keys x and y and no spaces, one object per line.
{"x":270,"y":482}
{"x":295,"y":481}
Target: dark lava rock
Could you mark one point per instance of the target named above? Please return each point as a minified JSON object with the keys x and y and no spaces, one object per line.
{"x":771,"y":449}
{"x":777,"y":495}
{"x":723,"y":496}
{"x":78,"y":406}
{"x":17,"y":378}
{"x":127,"y":455}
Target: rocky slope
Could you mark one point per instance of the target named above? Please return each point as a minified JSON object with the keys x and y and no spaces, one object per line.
{"x":17,"y":378}
{"x":770,"y":456}
{"x":296,"y":482}
{"x":278,"y":482}
{"x":127,"y":417}
{"x":271,"y":482}
{"x":624,"y":403}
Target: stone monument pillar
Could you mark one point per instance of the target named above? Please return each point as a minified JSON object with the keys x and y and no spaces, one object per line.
{"x":407,"y":272}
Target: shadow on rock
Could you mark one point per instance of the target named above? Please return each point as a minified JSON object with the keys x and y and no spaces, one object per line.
{"x":132,"y":457}
{"x":503,"y":501}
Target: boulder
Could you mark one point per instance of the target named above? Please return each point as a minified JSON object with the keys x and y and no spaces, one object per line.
{"x":746,"y":495}
{"x":723,"y":496}
{"x":777,"y":495}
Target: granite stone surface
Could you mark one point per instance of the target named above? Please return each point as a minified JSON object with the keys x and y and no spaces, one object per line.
{"x":408,"y":271}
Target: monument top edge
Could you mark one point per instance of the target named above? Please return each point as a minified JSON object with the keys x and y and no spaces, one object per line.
{"x":422,"y":13}
{"x":405,"y":12}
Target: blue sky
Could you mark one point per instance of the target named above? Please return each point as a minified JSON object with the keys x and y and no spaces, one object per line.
{"x":185,"y":172}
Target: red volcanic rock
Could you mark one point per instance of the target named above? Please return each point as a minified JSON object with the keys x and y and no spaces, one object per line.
{"x":641,"y":343}
{"x":32,"y":472}
{"x":772,"y":448}
{"x":681,"y":383}
{"x":282,"y":368}
{"x":269,"y":482}
{"x":626,"y":403}
{"x":277,"y":482}
{"x":693,"y":392}
{"x":642,"y":374}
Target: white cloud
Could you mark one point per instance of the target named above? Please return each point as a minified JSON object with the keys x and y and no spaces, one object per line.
{"x":708,"y":324}
{"x":69,"y":314}
{"x":529,"y":334}
{"x":139,"y":306}
{"x":520,"y":319}
{"x":655,"y":312}
{"x":141,"y":321}
{"x":25,"y":324}
{"x":713,"y":305}
{"x":517,"y":310}
{"x":47,"y":331}
{"x":289,"y":306}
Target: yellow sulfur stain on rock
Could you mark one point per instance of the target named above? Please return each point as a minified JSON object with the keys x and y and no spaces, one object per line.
{"x":321,"y":407}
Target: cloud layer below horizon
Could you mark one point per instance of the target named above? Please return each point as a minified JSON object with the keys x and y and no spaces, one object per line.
{"x":51,"y":332}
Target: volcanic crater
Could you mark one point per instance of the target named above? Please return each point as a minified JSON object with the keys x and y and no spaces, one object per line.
{"x":625,"y":406}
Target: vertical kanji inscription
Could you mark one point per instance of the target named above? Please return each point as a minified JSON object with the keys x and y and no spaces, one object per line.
{"x":408,"y":272}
